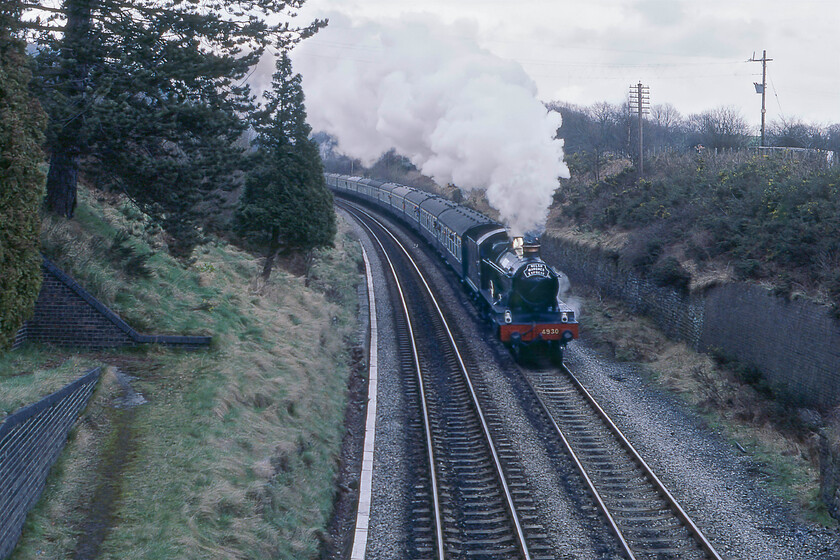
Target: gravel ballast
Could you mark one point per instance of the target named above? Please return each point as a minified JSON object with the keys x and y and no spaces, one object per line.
{"x":724,"y":490}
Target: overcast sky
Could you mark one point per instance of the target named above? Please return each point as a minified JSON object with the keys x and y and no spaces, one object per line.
{"x":692,"y":54}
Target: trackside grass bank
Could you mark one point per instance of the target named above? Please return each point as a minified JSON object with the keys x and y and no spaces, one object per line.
{"x":233,"y":454}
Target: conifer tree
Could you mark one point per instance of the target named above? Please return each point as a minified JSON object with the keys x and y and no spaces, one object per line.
{"x":286,"y":205}
{"x":149,"y":98}
{"x":21,"y":182}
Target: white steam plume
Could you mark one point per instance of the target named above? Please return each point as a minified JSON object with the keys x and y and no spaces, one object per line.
{"x":425,"y":88}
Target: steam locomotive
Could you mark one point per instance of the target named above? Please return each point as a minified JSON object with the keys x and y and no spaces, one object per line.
{"x":519,"y":292}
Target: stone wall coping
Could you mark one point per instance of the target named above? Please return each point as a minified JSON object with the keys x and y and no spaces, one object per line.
{"x":166,"y":340}
{"x":31,"y":410}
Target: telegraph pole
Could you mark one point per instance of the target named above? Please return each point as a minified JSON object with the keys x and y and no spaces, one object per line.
{"x":640,"y":102}
{"x":762,"y":87}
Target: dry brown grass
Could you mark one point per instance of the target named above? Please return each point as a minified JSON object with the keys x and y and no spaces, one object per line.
{"x":605,"y":240}
{"x":26,"y":377}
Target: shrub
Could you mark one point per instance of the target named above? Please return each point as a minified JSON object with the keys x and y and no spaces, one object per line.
{"x":125,"y":255}
{"x":641,"y":252}
{"x":668,"y":272}
{"x":748,"y":268}
{"x":762,"y":217}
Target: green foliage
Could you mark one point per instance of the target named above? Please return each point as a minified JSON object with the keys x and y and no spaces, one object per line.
{"x":767,"y":218}
{"x":150,"y":99}
{"x":669,"y":272}
{"x":125,"y":254}
{"x":236,"y":449}
{"x":642,"y":251}
{"x":286,"y":203}
{"x":21,"y":187}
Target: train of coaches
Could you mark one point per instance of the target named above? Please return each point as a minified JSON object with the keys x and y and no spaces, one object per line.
{"x":517,"y":289}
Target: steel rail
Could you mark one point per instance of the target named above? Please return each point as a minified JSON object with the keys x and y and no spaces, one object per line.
{"x":426,"y":422}
{"x":589,"y":483}
{"x":488,"y":436}
{"x":672,"y":501}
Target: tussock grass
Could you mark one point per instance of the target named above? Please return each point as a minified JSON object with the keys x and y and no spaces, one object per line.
{"x":235,"y":453}
{"x":50,"y":528}
{"x":605,"y":240}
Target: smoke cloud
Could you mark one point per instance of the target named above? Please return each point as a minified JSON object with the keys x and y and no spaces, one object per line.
{"x":460,"y":114}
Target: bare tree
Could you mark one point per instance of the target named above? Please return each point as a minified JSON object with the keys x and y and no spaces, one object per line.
{"x":667,"y":127}
{"x":723,"y":127}
{"x":592,"y":132}
{"x":832,"y":138}
{"x":796,"y":134}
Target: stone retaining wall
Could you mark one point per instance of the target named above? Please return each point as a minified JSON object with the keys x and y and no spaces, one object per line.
{"x":30,"y":442}
{"x":796,"y":345}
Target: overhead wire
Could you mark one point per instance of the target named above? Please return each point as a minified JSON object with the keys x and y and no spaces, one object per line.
{"x":776,"y":94}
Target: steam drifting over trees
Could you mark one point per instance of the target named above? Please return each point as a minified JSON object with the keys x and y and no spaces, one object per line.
{"x":457,"y":112}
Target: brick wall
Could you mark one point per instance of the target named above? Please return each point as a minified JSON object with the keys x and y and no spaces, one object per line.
{"x":67,"y":315}
{"x":30,"y":442}
{"x":796,"y":345}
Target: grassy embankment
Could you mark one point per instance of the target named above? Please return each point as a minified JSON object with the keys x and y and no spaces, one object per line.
{"x":234,"y":454}
{"x":691,"y":224}
{"x":696,"y":219}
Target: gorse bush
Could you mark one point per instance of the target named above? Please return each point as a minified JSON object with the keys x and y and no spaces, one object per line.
{"x":764,"y":218}
{"x":669,"y":272}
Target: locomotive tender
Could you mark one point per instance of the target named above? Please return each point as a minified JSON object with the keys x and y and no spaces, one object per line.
{"x":519,"y":291}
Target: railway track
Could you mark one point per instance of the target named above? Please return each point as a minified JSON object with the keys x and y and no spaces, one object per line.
{"x":473,"y":501}
{"x":645,"y":517}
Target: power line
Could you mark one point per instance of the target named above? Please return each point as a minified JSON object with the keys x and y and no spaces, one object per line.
{"x":776,"y":93}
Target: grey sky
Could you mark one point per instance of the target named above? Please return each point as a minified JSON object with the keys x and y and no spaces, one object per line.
{"x":692,"y":54}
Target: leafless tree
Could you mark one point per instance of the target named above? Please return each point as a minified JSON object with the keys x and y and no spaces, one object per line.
{"x":723,"y":127}
{"x":793,"y":133}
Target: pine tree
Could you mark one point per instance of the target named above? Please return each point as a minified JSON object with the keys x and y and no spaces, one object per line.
{"x":21,"y":182}
{"x":286,"y":205}
{"x":149,"y":98}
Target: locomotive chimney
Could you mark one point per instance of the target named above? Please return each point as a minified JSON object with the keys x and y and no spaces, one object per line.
{"x":531,"y":247}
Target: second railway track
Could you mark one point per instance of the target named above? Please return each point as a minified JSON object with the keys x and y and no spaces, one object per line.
{"x":645,"y":517}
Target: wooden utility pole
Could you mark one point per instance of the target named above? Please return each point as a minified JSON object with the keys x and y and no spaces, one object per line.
{"x":762,"y":87}
{"x":640,"y":103}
